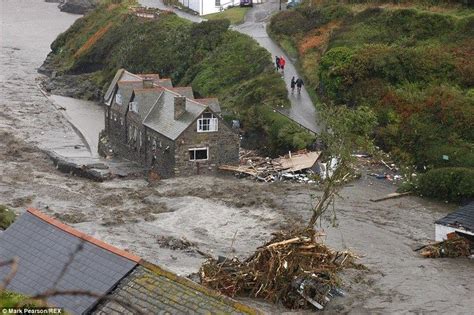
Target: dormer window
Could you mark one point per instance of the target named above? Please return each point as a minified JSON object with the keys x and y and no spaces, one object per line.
{"x":207,"y":123}
{"x":133,"y":107}
{"x":118,"y":98}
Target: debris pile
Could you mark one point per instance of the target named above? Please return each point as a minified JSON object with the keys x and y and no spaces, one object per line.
{"x":454,"y":246}
{"x":293,"y":268}
{"x":298,"y":166}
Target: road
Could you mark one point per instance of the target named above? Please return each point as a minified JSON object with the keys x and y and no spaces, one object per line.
{"x":302,"y":109}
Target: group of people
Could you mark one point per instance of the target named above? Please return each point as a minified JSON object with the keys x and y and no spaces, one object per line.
{"x":280,"y":63}
{"x":298,"y":83}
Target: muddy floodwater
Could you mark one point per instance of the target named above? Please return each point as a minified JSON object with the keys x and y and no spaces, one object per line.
{"x":173,"y":222}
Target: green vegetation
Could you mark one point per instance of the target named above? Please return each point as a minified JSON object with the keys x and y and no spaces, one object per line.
{"x":6,"y":217}
{"x":215,"y":61}
{"x":10,"y":299}
{"x":235,"y":15}
{"x":412,"y":65}
{"x":448,"y":183}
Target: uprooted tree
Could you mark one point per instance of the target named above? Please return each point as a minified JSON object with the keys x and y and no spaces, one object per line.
{"x":348,"y":131}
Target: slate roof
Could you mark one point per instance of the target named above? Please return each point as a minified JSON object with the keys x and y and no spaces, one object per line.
{"x":213,"y":104}
{"x":161,"y":117}
{"x":146,"y":99}
{"x":463,"y":218}
{"x":157,"y":291}
{"x":44,"y":246}
{"x":156,"y":105}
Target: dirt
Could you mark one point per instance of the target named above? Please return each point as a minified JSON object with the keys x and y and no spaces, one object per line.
{"x":218,"y":215}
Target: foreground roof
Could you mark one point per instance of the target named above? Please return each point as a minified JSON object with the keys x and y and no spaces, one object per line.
{"x":463,"y":218}
{"x":159,"y":291}
{"x":45,"y":246}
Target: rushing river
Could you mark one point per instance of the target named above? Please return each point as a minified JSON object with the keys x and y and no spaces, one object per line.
{"x":27,"y":29}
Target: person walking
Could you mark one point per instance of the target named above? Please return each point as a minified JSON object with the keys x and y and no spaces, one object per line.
{"x":292,"y":85}
{"x":277,"y":62}
{"x":299,"y":84}
{"x":282,"y":64}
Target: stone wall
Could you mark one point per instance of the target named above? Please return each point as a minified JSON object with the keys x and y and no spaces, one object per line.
{"x":223,"y":149}
{"x":160,"y":154}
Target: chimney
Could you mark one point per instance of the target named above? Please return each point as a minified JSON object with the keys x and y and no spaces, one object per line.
{"x":179,"y":106}
{"x":147,"y":83}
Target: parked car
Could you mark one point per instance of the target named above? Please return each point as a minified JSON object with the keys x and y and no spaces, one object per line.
{"x":293,"y":3}
{"x":246,"y":3}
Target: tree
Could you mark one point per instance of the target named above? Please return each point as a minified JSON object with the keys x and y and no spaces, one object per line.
{"x":348,"y":131}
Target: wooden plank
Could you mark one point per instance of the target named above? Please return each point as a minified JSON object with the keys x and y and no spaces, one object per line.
{"x":391,"y":196}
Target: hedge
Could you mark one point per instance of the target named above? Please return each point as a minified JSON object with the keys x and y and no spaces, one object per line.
{"x":448,"y":183}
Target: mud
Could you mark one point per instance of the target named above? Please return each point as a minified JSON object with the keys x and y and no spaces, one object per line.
{"x":168,"y":221}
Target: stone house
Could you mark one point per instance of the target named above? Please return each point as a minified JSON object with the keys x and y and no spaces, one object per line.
{"x":165,"y":128}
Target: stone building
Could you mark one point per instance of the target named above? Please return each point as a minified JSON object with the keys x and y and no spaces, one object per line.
{"x":165,"y":128}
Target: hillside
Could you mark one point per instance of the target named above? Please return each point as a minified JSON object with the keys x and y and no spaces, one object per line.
{"x":215,"y":61}
{"x":413,"y":65}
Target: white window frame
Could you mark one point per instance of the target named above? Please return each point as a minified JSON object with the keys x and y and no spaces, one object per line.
{"x":133,"y":107}
{"x":212,"y":122}
{"x":196,"y":149}
{"x":118,"y":98}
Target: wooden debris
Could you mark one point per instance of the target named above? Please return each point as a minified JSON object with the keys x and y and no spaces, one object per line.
{"x":294,"y":268}
{"x":391,"y":196}
{"x":269,"y":170}
{"x":455,"y":246}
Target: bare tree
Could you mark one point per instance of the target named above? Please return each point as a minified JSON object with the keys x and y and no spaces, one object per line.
{"x":348,"y":131}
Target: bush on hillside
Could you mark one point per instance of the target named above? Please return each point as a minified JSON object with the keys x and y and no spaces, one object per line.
{"x":6,"y":217}
{"x":450,"y":183}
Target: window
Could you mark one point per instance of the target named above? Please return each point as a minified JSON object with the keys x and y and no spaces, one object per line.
{"x":135,"y":131}
{"x":118,"y":99}
{"x":133,"y":107}
{"x":199,"y":154}
{"x":121,"y":121}
{"x":140,"y":138}
{"x":218,"y":3}
{"x":106,"y":113}
{"x":115,"y":117}
{"x":153,"y":145}
{"x":207,"y":123}
{"x":130,"y":133}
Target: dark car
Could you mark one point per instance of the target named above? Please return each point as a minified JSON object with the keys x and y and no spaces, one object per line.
{"x":292,"y":3}
{"x":246,"y":3}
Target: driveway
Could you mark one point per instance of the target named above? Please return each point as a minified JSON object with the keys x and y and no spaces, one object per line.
{"x":302,"y":109}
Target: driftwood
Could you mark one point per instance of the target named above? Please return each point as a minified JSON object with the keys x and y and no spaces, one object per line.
{"x":294,"y":268}
{"x":454,"y":246}
{"x":391,"y":196}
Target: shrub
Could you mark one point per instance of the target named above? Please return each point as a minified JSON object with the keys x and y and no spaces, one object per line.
{"x":449,"y":183}
{"x":6,"y":217}
{"x":289,"y":23}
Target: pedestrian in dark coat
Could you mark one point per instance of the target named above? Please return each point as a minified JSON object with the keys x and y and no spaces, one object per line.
{"x":277,"y":62}
{"x":299,"y":84}
{"x":292,"y":85}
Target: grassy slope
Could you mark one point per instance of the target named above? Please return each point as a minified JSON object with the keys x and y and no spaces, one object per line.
{"x":412,"y":65}
{"x":235,"y":15}
{"x":214,"y":60}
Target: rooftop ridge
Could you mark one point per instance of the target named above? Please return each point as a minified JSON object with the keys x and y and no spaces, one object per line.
{"x":154,"y":88}
{"x":66,"y":228}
